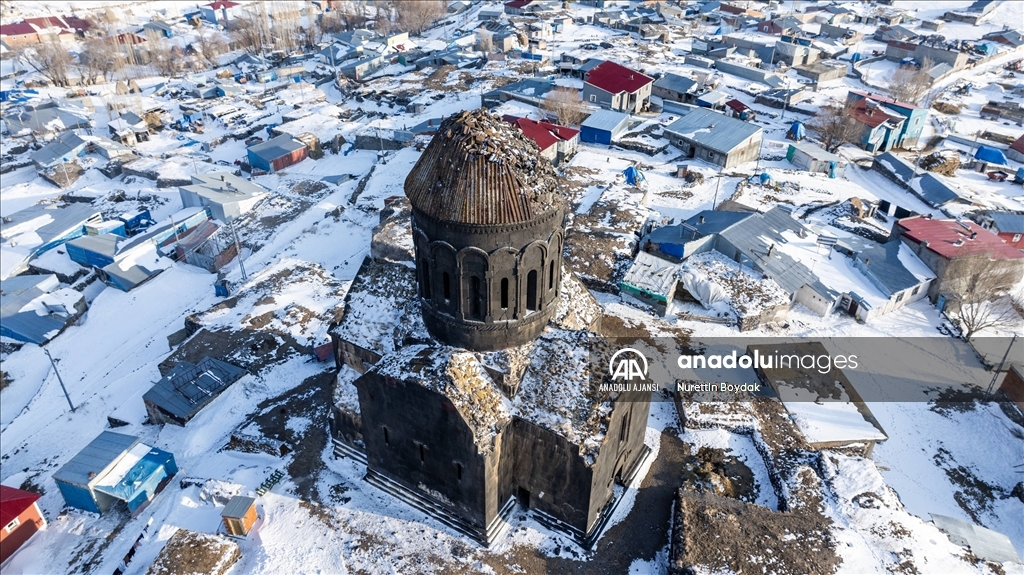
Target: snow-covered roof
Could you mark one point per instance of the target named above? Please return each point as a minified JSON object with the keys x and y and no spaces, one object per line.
{"x":652,"y":275}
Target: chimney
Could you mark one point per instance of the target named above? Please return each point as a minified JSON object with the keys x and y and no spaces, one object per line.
{"x":702,"y":219}
{"x":924,"y":244}
{"x":959,"y":242}
{"x":867,"y":261}
{"x":771,"y":249}
{"x":974,"y":235}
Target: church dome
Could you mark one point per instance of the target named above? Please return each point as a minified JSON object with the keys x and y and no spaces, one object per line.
{"x":482,"y":171}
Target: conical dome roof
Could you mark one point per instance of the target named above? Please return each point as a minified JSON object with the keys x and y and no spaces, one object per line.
{"x":480,"y":170}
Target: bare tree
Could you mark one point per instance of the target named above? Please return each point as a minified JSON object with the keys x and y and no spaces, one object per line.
{"x":247,"y":30}
{"x":209,"y":45}
{"x":162,"y":55}
{"x":835,"y":126}
{"x":50,"y":59}
{"x":415,"y":16}
{"x":979,"y":294}
{"x":484,"y":41}
{"x":100,"y":57}
{"x":910,"y":83}
{"x":567,"y":106}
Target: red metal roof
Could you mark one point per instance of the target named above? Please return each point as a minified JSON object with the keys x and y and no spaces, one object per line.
{"x":544,"y":134}
{"x":942,"y":236}
{"x":19,"y":29}
{"x":46,"y":22}
{"x":14,"y":502}
{"x":222,"y":4}
{"x":872,"y":116}
{"x":737,"y":105}
{"x":615,"y":78}
{"x":884,"y":99}
{"x":1018,"y":145}
{"x":518,"y":3}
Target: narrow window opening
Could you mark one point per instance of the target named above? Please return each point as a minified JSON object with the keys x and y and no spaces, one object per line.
{"x":474,"y":298}
{"x":458,"y":471}
{"x":387,"y":438}
{"x":423,"y":454}
{"x":426,"y":278}
{"x":446,"y":287}
{"x":531,"y":290}
{"x":504,"y":293}
{"x":551,"y":275}
{"x":625,"y":427}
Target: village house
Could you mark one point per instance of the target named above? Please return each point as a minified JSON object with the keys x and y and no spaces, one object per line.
{"x":556,"y":143}
{"x":950,"y":247}
{"x":20,"y":518}
{"x":276,"y":153}
{"x":616,"y":87}
{"x":226,"y":195}
{"x":1007,"y":225}
{"x":220,"y":12}
{"x":676,"y":88}
{"x":603,"y":127}
{"x":715,"y":138}
{"x":885,"y":123}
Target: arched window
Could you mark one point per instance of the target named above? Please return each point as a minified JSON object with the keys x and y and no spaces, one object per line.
{"x":475,"y":307}
{"x":551,"y":275}
{"x":446,"y":286}
{"x":531,"y":290}
{"x":504,"y":293}
{"x":425,"y":267}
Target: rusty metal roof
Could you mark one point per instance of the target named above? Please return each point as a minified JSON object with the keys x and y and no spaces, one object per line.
{"x":480,"y":170}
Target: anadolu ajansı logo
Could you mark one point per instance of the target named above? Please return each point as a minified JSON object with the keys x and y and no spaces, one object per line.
{"x":627,"y":364}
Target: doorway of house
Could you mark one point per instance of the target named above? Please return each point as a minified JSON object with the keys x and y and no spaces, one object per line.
{"x":523,"y":497}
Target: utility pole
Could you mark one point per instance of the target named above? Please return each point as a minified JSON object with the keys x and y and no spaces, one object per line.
{"x":718,"y":185}
{"x":54,"y":364}
{"x":238,"y":250}
{"x":995,"y":376}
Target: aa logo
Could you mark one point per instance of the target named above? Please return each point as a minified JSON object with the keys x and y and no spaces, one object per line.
{"x":627,"y":364}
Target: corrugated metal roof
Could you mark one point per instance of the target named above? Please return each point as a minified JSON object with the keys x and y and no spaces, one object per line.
{"x":275,"y":148}
{"x":757,"y":235}
{"x":675,"y":83}
{"x":105,"y":244}
{"x":66,"y":143}
{"x":713,"y":130}
{"x":605,"y":120}
{"x":238,"y":506}
{"x":61,"y":220}
{"x":883,"y":264}
{"x":18,"y":292}
{"x":101,"y":454}
{"x":896,"y":165}
{"x":188,"y":387}
{"x":935,"y":191}
{"x":480,"y":170}
{"x":1007,"y":222}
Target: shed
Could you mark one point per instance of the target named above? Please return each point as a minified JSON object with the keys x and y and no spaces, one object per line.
{"x":651,"y":280}
{"x":20,"y":518}
{"x":603,"y":127}
{"x":188,"y":388}
{"x":239,"y":515}
{"x":93,"y":251}
{"x":807,"y":156}
{"x":114,"y":467}
{"x":276,"y":153}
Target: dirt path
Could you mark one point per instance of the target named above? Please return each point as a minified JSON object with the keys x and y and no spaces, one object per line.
{"x":640,"y":535}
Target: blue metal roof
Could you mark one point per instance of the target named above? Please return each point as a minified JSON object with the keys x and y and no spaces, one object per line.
{"x":896,"y":165}
{"x":101,"y":454}
{"x":882,"y":264}
{"x":937,"y":192}
{"x":675,"y":83}
{"x":28,"y":326}
{"x":275,"y":148}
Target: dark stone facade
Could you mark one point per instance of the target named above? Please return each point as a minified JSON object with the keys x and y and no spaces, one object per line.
{"x":488,"y":287}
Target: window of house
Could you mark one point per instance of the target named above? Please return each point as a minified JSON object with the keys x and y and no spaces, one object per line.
{"x":446,"y":286}
{"x":917,"y":289}
{"x":387,"y":438}
{"x":1016,"y":238}
{"x":899,"y":298}
{"x":593,"y":97}
{"x":13,"y":525}
{"x":504,"y":293}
